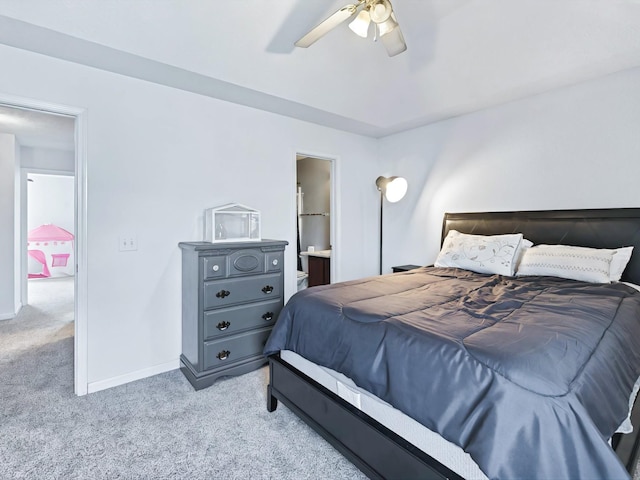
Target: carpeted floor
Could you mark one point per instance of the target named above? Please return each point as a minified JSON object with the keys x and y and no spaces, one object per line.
{"x":154,"y":428}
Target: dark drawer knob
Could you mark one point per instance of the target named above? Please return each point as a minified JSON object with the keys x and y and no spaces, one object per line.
{"x":267,"y":317}
{"x":223,"y":293}
{"x":223,"y":355}
{"x":267,"y":289}
{"x":222,"y":326}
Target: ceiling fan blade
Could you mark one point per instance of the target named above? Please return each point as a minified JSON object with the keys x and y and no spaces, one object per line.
{"x":393,"y":41}
{"x":324,"y":27}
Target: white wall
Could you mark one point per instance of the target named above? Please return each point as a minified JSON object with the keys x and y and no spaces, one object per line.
{"x":157,"y":157}
{"x":17,"y":237}
{"x":48,"y":159}
{"x":576,"y":147}
{"x":51,"y":200}
{"x":8,"y":304}
{"x":7,"y":182}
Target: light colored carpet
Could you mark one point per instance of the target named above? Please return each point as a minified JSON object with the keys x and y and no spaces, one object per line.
{"x":154,"y":428}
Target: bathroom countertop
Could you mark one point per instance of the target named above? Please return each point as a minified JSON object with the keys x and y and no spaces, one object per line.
{"x":318,"y":253}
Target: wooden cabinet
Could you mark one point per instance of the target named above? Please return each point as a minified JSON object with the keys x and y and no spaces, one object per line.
{"x":319,"y":271}
{"x":232,"y":294}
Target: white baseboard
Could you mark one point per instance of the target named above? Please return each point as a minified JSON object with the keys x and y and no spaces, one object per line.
{"x":133,"y":376}
{"x":11,"y":316}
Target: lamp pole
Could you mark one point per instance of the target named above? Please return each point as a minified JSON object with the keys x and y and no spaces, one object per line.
{"x":394,"y":188}
{"x":381,"y":205}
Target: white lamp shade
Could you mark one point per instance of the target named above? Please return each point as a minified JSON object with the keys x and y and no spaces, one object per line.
{"x":387,"y":26}
{"x":393,"y":40}
{"x":380,"y":11}
{"x":360,"y":25}
{"x":396,"y":189}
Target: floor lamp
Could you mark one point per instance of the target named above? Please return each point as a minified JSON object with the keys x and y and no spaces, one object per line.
{"x":393,"y":189}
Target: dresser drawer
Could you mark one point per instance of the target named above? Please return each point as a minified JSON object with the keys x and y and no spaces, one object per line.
{"x":226,"y":350}
{"x":275,"y":261}
{"x":233,"y":319}
{"x":232,"y":291}
{"x":246,"y":262}
{"x":215,"y":267}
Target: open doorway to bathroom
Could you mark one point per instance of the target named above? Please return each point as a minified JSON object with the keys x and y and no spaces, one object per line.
{"x":314,"y":225}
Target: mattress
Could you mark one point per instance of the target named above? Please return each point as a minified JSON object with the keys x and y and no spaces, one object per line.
{"x":420,"y":436}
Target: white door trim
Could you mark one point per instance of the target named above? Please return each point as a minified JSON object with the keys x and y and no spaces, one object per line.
{"x":81,"y":356}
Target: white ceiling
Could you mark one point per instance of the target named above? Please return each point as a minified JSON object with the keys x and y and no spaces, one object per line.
{"x":38,"y":129}
{"x":463,"y":55}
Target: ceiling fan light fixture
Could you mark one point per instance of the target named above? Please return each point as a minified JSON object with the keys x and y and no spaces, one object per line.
{"x":394,"y":42}
{"x":380,"y":11}
{"x":387,"y":26}
{"x":360,"y":25}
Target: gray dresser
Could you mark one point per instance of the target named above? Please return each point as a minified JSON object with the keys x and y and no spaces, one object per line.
{"x":232,"y":294}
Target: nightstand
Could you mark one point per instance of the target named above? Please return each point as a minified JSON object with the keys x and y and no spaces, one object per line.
{"x":404,"y":268}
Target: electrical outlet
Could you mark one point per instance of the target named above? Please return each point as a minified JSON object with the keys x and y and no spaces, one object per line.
{"x":128,"y":243}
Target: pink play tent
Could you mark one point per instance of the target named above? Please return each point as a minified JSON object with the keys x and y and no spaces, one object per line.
{"x":50,"y":250}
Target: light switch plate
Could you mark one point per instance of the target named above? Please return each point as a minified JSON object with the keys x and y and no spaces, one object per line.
{"x":128,"y":243}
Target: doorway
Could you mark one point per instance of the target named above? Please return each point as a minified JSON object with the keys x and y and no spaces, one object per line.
{"x":50,"y":246}
{"x":19,"y":117}
{"x":315,"y":226}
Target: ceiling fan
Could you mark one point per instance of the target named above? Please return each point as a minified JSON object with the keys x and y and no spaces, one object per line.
{"x":378,"y":12}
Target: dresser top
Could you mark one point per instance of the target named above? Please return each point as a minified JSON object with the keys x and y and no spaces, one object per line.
{"x":198,"y":246}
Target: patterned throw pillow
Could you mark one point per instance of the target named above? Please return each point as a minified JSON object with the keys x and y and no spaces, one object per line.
{"x":576,"y":263}
{"x":494,"y":254}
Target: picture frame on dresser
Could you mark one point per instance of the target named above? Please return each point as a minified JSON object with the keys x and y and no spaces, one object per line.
{"x":232,"y":294}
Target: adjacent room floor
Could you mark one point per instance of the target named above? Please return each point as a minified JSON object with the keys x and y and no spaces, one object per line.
{"x":47,"y":318}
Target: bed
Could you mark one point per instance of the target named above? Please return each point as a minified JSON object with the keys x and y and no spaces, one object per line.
{"x":564,"y":403}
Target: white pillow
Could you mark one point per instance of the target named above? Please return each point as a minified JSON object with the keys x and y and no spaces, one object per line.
{"x":494,"y":254}
{"x":577,"y":263}
{"x":524,"y":245}
{"x":621,"y":257}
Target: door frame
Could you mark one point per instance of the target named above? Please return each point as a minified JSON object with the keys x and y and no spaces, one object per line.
{"x":81,"y":320}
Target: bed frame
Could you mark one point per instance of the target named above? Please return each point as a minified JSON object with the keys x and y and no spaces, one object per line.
{"x":379,"y":452}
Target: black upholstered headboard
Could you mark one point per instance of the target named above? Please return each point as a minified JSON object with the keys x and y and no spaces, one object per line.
{"x":598,"y":228}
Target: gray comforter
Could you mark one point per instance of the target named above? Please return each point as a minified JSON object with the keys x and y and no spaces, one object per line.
{"x":531,"y":376}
